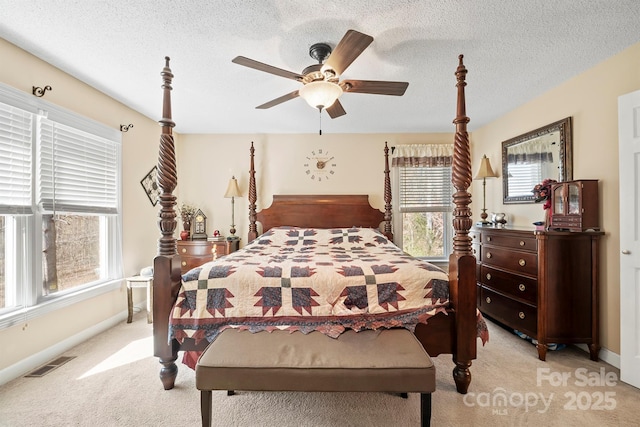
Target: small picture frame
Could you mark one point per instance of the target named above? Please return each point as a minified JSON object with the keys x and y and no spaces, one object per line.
{"x":150,"y":185}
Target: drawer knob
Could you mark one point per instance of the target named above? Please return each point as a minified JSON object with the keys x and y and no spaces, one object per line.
{"x":488,"y":300}
{"x":184,"y":250}
{"x":521,"y":315}
{"x":521,"y":242}
{"x":488,"y":276}
{"x":184,"y":263}
{"x":489,"y":255}
{"x":488,"y":238}
{"x":522,"y":262}
{"x":522,"y":287}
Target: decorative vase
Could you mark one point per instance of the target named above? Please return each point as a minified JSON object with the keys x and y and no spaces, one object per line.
{"x":184,"y":235}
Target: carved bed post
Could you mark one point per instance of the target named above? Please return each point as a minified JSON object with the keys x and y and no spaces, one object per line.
{"x":462,"y":263}
{"x":253,"y":196}
{"x":387,"y":195}
{"x":166,"y":272}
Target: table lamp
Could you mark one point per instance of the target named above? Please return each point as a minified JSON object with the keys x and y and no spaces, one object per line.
{"x":484,"y":173}
{"x":232,"y":192}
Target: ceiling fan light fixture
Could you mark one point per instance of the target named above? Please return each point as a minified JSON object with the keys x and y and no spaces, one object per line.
{"x":320,"y":94}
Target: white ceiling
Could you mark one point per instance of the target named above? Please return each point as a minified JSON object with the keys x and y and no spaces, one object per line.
{"x":514,"y":50}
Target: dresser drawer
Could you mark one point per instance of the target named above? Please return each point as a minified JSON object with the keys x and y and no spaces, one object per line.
{"x":526,"y":243}
{"x":194,"y":253}
{"x":516,"y":261}
{"x":520,"y":287}
{"x":567,"y":221}
{"x":515,"y":314}
{"x":194,"y":248}
{"x":475,"y":250}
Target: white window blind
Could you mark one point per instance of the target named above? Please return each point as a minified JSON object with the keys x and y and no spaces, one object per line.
{"x":78,"y":170}
{"x":521,"y":176}
{"x":15,"y":160}
{"x":425,"y":189}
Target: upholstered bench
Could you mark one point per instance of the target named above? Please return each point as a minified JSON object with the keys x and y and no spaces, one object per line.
{"x":368,"y":361}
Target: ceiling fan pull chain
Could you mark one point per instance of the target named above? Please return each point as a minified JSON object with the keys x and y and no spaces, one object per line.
{"x":320,"y":112}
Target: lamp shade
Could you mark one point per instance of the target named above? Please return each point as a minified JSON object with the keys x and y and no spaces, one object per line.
{"x":232,"y":188}
{"x":320,"y":94}
{"x":485,"y":170}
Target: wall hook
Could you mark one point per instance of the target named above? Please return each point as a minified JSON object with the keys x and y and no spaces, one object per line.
{"x":125,"y":128}
{"x":39,"y":92}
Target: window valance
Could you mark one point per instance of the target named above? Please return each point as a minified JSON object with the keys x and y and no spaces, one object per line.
{"x":539,"y":150}
{"x":422,"y":155}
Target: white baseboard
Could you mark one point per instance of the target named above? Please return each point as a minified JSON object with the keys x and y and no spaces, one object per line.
{"x":605,"y":355}
{"x":36,"y":360}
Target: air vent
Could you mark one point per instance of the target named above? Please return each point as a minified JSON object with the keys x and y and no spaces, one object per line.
{"x":43,"y":370}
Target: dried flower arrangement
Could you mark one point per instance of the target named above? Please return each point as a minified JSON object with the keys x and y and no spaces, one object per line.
{"x":186,"y":212}
{"x":542,"y":192}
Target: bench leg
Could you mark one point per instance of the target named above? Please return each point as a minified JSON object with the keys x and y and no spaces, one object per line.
{"x":425,"y":409}
{"x":205,"y":407}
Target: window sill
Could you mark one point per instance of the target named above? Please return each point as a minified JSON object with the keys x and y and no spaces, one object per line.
{"x":25,"y":314}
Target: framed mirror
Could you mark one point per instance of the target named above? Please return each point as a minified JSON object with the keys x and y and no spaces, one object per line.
{"x":528,"y":159}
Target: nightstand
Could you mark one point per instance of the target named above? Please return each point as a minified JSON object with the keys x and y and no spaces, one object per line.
{"x":194,"y":253}
{"x":140,"y":282}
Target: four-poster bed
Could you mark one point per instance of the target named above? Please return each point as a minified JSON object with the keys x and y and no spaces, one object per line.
{"x":451,"y":329}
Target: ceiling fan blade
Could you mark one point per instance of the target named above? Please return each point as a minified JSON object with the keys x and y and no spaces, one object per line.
{"x":375,"y":87}
{"x":336,"y":110}
{"x":279,"y":100}
{"x":251,"y":63}
{"x":348,"y":49}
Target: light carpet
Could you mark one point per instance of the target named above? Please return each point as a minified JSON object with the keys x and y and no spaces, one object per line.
{"x":113,"y":381}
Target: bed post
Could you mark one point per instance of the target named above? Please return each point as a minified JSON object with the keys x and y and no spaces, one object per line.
{"x":387,"y":195}
{"x":253,"y":196}
{"x":166,"y":271}
{"x":462,"y":263}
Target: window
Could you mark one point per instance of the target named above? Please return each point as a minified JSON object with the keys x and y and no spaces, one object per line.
{"x":60,"y":221}
{"x":424,"y":201}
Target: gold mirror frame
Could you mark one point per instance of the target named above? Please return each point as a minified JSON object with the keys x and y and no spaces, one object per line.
{"x":559,"y":134}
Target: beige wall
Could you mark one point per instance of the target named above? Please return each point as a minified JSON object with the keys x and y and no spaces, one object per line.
{"x":207,"y":162}
{"x":592,"y":100}
{"x":139,"y":152}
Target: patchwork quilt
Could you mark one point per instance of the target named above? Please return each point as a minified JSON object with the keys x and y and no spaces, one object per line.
{"x":303,"y":279}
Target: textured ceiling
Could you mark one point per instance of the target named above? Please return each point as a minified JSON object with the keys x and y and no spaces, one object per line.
{"x":514,"y":50}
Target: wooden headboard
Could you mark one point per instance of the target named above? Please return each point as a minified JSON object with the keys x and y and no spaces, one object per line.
{"x":320,"y":211}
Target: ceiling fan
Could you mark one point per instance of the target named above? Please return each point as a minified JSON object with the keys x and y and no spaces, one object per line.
{"x":321,"y":84}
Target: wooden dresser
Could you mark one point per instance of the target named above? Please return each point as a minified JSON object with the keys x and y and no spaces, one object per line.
{"x":541,"y":283}
{"x":196,"y":252}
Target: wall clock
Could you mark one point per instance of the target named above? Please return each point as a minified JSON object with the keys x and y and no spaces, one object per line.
{"x":320,"y":165}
